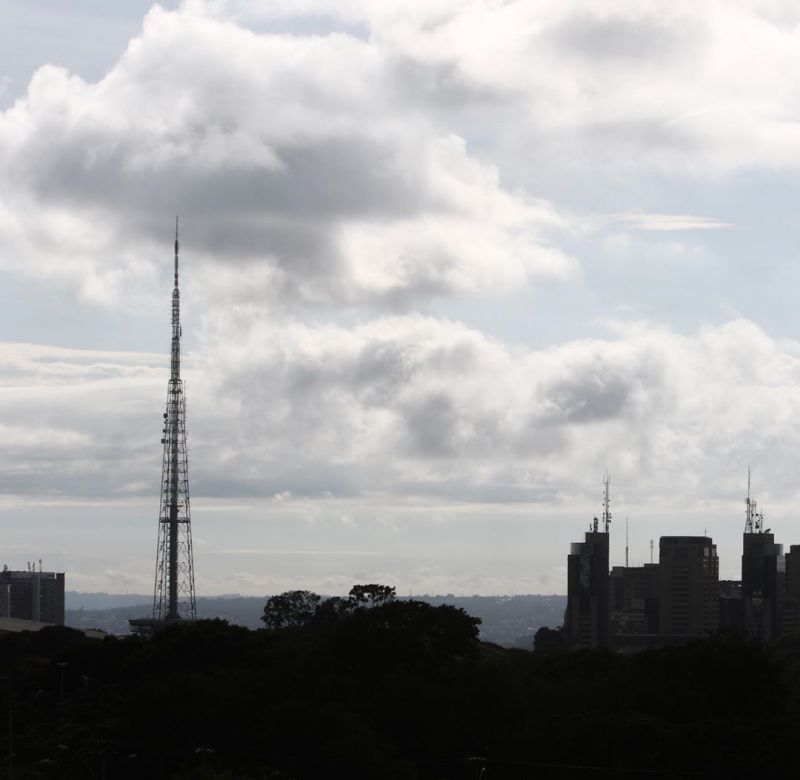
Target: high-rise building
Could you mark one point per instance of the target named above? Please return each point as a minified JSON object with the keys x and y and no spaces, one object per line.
{"x":790,"y":607}
{"x":174,"y":594}
{"x":688,"y":586}
{"x":792,"y":572}
{"x":763,"y":569}
{"x":587,"y":618}
{"x":32,"y":595}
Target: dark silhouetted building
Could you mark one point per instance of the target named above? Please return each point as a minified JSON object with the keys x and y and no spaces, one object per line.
{"x":731,"y":606}
{"x":587,"y":618}
{"x":790,"y":608}
{"x":634,"y":600}
{"x":32,"y":595}
{"x":763,"y":570}
{"x":792,"y":571}
{"x":688,"y":587}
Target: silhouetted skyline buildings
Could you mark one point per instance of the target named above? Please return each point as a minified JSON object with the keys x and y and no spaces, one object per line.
{"x":681,"y":596}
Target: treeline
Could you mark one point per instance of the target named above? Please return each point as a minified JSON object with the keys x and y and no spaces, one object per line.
{"x":505,"y":620}
{"x":373,"y":687}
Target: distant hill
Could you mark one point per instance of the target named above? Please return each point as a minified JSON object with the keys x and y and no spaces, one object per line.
{"x":510,"y":621}
{"x":75,"y":600}
{"x":97,"y":611}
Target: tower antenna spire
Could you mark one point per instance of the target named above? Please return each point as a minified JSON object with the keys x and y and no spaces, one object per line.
{"x":606,"y":502}
{"x":177,"y":247}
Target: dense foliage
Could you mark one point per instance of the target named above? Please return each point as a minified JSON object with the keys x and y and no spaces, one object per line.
{"x":302,"y":607}
{"x":400,"y":690}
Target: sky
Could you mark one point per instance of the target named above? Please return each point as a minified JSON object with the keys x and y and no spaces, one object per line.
{"x":443,"y":265}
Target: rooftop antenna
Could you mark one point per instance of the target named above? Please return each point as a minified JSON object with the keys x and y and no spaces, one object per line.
{"x":651,"y":551}
{"x":606,"y":503}
{"x":626,"y":542}
{"x":754,"y":519}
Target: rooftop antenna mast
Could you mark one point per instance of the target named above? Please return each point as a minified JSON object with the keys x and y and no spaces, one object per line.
{"x":753,"y":518}
{"x":626,"y":542}
{"x":651,"y":551}
{"x":606,"y":502}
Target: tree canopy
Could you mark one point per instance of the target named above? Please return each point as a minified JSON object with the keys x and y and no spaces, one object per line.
{"x":371,"y":595}
{"x":400,"y":690}
{"x":292,"y":608}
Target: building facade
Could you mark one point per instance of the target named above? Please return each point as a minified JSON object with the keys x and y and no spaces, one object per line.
{"x":32,"y":595}
{"x":763,"y":573}
{"x":587,"y":620}
{"x":688,"y":587}
{"x":634,"y":600}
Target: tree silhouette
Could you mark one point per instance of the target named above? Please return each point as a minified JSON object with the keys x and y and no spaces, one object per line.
{"x":372,"y":595}
{"x":550,"y":641}
{"x":333,"y":610}
{"x":291,"y":608}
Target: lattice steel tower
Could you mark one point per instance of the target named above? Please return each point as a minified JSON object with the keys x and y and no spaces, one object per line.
{"x":174,"y":596}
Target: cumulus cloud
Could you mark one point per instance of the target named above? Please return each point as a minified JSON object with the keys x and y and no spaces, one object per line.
{"x":413,"y":405}
{"x":404,"y":406}
{"x":348,"y":153}
{"x":683,"y":88}
{"x":298,"y":174}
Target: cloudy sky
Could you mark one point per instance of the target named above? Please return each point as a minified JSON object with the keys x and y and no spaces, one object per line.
{"x":444,"y":263}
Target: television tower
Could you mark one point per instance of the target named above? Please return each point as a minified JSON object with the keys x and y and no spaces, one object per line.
{"x":174,"y":595}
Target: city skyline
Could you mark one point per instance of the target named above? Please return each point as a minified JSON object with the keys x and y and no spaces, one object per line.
{"x":444,"y":265}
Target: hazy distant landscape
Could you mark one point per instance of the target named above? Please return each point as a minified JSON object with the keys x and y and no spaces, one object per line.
{"x":510,"y":621}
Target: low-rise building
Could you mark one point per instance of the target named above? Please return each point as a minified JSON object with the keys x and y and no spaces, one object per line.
{"x":32,"y":595}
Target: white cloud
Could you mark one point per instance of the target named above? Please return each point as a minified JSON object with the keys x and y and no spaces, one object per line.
{"x":410,"y":406}
{"x":670,"y":221}
{"x":299,"y":175}
{"x":682,"y":88}
{"x":417,"y":406}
